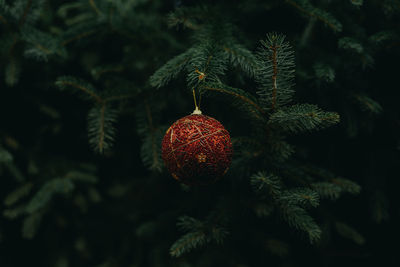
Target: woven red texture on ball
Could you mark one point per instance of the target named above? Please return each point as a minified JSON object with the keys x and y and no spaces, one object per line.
{"x":197,"y":150}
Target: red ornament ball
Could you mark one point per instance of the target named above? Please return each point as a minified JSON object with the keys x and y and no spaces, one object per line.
{"x":197,"y":150}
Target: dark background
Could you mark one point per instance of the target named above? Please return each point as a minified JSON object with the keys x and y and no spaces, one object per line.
{"x":46,"y":128}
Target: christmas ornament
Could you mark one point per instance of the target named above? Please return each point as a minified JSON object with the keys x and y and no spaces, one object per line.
{"x":197,"y":149}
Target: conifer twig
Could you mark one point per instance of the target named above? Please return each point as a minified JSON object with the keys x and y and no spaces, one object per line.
{"x":241,"y":97}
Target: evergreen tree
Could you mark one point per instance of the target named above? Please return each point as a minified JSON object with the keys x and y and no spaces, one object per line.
{"x":89,"y":88}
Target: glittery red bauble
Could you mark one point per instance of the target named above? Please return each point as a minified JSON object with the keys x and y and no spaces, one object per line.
{"x":197,"y":150}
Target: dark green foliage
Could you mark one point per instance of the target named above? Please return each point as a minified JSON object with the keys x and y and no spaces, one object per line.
{"x":89,"y":88}
{"x":151,"y":134}
{"x":325,"y":17}
{"x":200,"y":234}
{"x":303,"y":117}
{"x":101,"y":130}
{"x":275,"y":72}
{"x":291,"y":203}
{"x":324,"y":72}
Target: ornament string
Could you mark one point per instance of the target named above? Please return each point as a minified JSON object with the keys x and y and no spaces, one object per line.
{"x":197,"y":107}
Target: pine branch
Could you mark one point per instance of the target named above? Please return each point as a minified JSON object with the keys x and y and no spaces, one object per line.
{"x":200,"y":233}
{"x":305,"y":7}
{"x":275,"y":72}
{"x":170,"y":69}
{"x":151,"y":138}
{"x":298,"y":218}
{"x":187,"y":17}
{"x":304,"y":197}
{"x":187,"y":223}
{"x":303,"y":117}
{"x":207,"y":63}
{"x":241,"y":57}
{"x":278,"y":149}
{"x":79,"y":85}
{"x":289,"y":202}
{"x":44,"y":195}
{"x":246,"y":99}
{"x":41,"y":45}
{"x":188,"y":242}
{"x":270,"y":184}
{"x":327,"y":190}
{"x":101,"y":130}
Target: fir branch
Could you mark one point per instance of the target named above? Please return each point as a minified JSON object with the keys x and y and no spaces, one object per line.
{"x":298,"y":218}
{"x":41,"y":45}
{"x":187,"y":223}
{"x":44,"y":195}
{"x":303,"y":117}
{"x":88,"y":89}
{"x":188,"y":242}
{"x":241,"y":57}
{"x":170,"y":69}
{"x":186,"y":16}
{"x":327,"y":190}
{"x":275,"y":73}
{"x":311,"y":11}
{"x":304,"y":197}
{"x":101,"y":130}
{"x":151,"y":138}
{"x":237,"y":93}
{"x":289,"y":202}
{"x":207,"y":63}
{"x":279,"y":150}
{"x":199,"y":234}
{"x":271,"y":184}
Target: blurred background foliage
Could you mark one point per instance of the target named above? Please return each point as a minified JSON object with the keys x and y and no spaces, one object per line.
{"x":85,"y":98}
